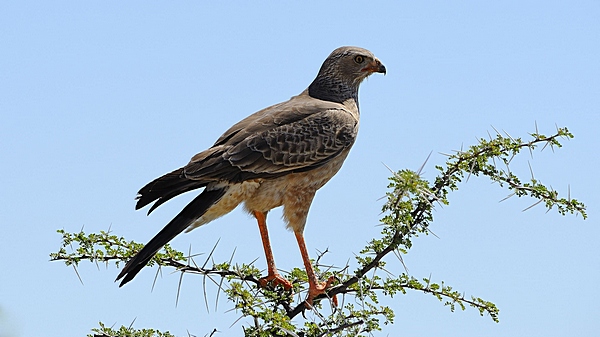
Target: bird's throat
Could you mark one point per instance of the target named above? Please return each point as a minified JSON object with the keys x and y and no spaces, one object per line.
{"x":333,"y":91}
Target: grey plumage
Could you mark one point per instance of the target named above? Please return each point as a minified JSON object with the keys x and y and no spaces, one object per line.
{"x":277,"y":156}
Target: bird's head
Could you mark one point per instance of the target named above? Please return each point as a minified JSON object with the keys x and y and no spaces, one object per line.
{"x":353,"y":63}
{"x":342,"y":72}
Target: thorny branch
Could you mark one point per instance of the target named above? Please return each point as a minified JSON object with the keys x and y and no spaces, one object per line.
{"x":408,"y":213}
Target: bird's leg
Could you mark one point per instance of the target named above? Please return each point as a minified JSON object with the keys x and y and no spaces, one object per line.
{"x":315,"y":288}
{"x":272,"y":276}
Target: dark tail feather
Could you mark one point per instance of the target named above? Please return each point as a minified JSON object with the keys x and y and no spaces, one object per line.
{"x":166,"y":187}
{"x":195,"y":209}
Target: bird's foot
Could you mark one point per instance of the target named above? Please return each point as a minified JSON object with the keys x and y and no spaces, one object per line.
{"x":316,"y":289}
{"x":275,"y":280}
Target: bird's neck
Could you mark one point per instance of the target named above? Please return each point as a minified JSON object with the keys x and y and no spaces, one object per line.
{"x":327,"y":89}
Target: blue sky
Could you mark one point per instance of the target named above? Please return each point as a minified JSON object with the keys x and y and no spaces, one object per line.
{"x":98,"y":98}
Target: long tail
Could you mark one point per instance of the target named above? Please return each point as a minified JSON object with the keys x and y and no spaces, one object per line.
{"x":166,"y":187}
{"x":194,"y":210}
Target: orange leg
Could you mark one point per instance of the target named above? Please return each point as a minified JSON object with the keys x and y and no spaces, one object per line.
{"x":315,"y":288}
{"x":272,"y":276}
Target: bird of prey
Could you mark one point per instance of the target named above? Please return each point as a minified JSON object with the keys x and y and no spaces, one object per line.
{"x":278,"y":156}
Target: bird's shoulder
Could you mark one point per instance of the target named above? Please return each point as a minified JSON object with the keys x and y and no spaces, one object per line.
{"x":296,"y":111}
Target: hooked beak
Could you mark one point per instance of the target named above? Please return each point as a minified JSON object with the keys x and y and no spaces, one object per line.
{"x":375,"y":66}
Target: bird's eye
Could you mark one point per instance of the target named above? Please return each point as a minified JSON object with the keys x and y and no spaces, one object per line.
{"x":359,"y":59}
